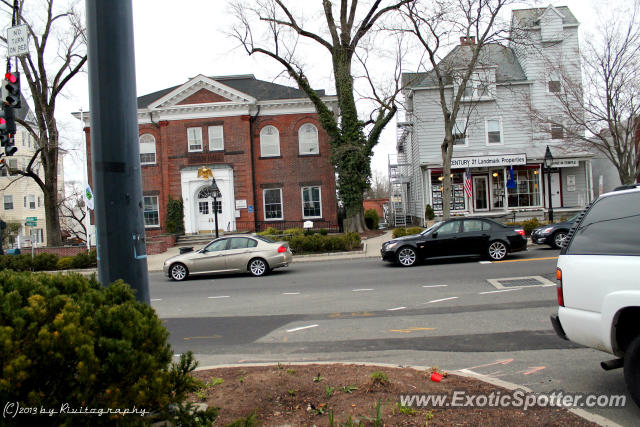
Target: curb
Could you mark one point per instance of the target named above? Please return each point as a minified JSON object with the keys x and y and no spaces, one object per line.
{"x":598,"y":419}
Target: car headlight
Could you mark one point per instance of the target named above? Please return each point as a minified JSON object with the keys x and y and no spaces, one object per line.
{"x":547,"y":230}
{"x":390,"y":245}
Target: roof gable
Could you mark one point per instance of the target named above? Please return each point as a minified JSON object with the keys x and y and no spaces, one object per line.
{"x":203,"y":96}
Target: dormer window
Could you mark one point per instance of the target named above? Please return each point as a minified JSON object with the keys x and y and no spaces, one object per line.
{"x":480,"y":87}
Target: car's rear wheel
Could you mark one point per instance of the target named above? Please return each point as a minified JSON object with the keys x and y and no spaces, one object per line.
{"x":178,"y":272}
{"x":497,"y":250}
{"x":258,"y":267}
{"x":406,"y":256}
{"x":632,"y":369}
{"x":559,"y":238}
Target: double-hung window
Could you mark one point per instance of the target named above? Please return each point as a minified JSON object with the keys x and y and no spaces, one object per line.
{"x":147,"y":149}
{"x":494,"y":131}
{"x":311,"y":204}
{"x":269,"y":142}
{"x":272,"y":199}
{"x":308,"y":139}
{"x":8,"y":203}
{"x":460,"y":132}
{"x":151,"y":213}
{"x":194,"y":138}
{"x":216,"y":138}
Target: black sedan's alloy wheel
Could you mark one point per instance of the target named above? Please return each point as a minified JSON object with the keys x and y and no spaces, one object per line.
{"x":559,"y":239}
{"x":497,"y":250}
{"x":406,"y":256}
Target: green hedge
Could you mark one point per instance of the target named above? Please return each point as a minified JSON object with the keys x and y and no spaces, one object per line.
{"x":400,"y":232}
{"x":47,"y":262}
{"x":68,"y":340}
{"x":371,"y":219}
{"x":301,"y":243}
{"x":528,"y":225}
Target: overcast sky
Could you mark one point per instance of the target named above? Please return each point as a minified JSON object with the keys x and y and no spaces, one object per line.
{"x":178,"y":40}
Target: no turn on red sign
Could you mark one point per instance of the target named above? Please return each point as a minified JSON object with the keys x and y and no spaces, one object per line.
{"x":18,"y":41}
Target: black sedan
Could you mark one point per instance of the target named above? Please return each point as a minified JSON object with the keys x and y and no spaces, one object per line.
{"x":456,"y":238}
{"x":553,"y":235}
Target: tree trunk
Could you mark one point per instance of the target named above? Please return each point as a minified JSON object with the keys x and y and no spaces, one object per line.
{"x":355,"y":221}
{"x":447,"y":153}
{"x":50,"y":190}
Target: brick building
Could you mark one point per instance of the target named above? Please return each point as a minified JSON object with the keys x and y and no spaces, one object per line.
{"x":263,"y":141}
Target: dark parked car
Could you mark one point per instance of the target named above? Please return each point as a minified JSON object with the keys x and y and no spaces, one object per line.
{"x":554,"y":235}
{"x":456,"y":238}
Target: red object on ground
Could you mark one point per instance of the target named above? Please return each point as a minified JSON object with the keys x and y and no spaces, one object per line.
{"x":436,"y":377}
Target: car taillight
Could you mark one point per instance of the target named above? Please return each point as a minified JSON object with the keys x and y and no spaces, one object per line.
{"x":520,"y":231}
{"x":559,"y":287}
{"x":282,"y":249}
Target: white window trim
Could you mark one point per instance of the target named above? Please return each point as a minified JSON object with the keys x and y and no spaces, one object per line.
{"x":316,"y":149}
{"x":473,"y":83}
{"x":261,"y":146}
{"x":486,"y":131}
{"x":199,"y":131}
{"x":4,"y":202}
{"x":158,"y":204}
{"x":302,"y":200}
{"x":264,"y":205}
{"x":548,"y":89}
{"x":155,"y":156}
{"x":211,"y":147}
{"x":466,"y":133}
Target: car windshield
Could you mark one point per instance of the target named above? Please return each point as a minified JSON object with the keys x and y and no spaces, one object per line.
{"x":264,"y":239}
{"x":428,"y":230}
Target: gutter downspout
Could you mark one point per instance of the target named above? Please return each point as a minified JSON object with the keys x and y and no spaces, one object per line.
{"x":252,"y":120}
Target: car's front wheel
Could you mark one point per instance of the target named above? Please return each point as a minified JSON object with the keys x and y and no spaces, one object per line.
{"x":497,"y":250}
{"x":258,"y":267}
{"x":406,"y":256}
{"x":632,"y":369}
{"x":559,"y":239}
{"x":178,"y":272}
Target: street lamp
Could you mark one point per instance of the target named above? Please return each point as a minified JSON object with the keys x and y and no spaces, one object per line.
{"x":215,"y":193}
{"x":548,"y":161}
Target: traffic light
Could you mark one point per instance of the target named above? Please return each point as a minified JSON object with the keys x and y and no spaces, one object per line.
{"x":7,"y":130}
{"x":11,"y":89}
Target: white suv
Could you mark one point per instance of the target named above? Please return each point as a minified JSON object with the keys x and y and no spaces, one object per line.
{"x":599,"y":282}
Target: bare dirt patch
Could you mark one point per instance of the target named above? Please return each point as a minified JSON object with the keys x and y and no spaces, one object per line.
{"x":307,"y":395}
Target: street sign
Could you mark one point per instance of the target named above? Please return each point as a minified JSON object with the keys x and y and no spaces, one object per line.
{"x":32,"y":218}
{"x":31,"y":221}
{"x":18,"y":41}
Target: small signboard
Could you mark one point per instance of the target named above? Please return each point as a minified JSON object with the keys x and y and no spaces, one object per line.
{"x":241,"y":204}
{"x":18,"y":41}
{"x":31,"y":221}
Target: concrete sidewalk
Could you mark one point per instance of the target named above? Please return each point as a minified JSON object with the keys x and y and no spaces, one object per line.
{"x":371,"y":249}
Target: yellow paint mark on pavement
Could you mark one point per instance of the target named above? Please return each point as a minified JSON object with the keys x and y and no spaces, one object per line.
{"x":527,"y":259}
{"x":408,"y":330}
{"x":203,"y":338}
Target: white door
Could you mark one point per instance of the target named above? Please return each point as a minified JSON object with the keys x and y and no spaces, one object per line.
{"x":555,"y":191}
{"x":205,"y":208}
{"x":480,"y":193}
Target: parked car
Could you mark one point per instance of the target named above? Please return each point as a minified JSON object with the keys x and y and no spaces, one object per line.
{"x":456,"y":238}
{"x":231,"y":254}
{"x":553,"y":235}
{"x":598,"y":287}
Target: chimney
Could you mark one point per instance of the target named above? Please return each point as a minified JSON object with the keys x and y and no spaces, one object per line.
{"x":467,"y":41}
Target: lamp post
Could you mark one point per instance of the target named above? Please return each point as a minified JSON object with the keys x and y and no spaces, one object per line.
{"x":548,"y":161}
{"x":215,"y":193}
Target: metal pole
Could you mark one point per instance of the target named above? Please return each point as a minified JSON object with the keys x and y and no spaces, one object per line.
{"x":115,"y":150}
{"x":87,"y":218}
{"x":215,"y":212}
{"x":549,"y":190}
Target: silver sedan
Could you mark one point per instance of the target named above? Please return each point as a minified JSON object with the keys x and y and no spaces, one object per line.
{"x":231,"y":254}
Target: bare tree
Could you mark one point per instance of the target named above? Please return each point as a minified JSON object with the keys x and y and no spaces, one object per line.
{"x":437,"y":26}
{"x":47,"y":72}
{"x":73,"y":213}
{"x":600,"y":108}
{"x":379,"y":186}
{"x":342,"y":33}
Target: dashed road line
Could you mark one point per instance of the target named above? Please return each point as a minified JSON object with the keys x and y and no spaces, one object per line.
{"x":434,"y":286}
{"x":291,"y":293}
{"x":156,"y":299}
{"x":362,"y":290}
{"x":397,"y":308}
{"x":485,"y":262}
{"x":301,"y":328}
{"x":409,"y":330}
{"x":440,"y":300}
{"x":502,"y":290}
{"x":221,"y":296}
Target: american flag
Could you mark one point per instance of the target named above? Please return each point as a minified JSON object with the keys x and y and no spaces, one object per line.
{"x":467,"y":183}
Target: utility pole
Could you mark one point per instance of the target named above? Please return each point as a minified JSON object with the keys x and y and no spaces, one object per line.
{"x":117,"y":181}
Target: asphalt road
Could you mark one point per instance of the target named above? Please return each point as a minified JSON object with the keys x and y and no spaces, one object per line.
{"x":489,"y":318}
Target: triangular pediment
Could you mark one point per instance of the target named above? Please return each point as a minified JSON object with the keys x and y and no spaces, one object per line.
{"x":549,"y":9}
{"x":202,"y":90}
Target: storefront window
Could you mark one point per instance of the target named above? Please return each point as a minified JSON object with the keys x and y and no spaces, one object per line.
{"x":497,"y":188}
{"x":457,"y":191}
{"x":527,"y":190}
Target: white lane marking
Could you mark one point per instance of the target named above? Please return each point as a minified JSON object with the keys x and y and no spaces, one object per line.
{"x":397,"y":308}
{"x":301,"y":328}
{"x":440,"y":300}
{"x":361,"y":290}
{"x":485,"y":262}
{"x":221,"y":296}
{"x":502,"y":290}
{"x":156,"y":299}
{"x":291,"y":293}
{"x":434,"y":286}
